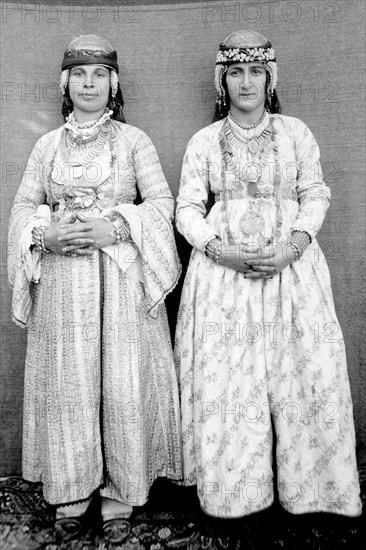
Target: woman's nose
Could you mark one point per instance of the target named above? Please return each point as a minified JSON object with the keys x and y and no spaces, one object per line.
{"x":88,"y":82}
{"x":245,"y":80}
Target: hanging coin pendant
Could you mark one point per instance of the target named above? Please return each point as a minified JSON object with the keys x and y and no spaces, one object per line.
{"x":249,"y":223}
{"x":253,"y":146}
{"x":252,"y":173}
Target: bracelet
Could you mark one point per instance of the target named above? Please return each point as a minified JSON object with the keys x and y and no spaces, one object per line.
{"x":121,"y":230}
{"x":213,"y":249}
{"x":301,"y":239}
{"x":38,"y":237}
{"x":296,"y":249}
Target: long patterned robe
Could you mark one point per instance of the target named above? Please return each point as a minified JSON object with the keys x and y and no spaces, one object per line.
{"x":101,"y":400}
{"x":261,"y":357}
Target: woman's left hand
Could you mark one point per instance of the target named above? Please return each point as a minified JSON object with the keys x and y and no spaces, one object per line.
{"x":270,"y":260}
{"x":102,"y":233}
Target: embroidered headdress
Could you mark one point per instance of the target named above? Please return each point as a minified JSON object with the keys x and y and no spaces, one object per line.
{"x":89,"y":49}
{"x":244,"y":47}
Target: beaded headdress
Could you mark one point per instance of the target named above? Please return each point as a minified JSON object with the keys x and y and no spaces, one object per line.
{"x":244,"y":47}
{"x":89,"y":49}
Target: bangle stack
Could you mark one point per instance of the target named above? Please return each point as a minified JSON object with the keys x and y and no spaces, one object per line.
{"x":38,"y":237}
{"x":213,"y":249}
{"x":299,"y":242}
{"x":121,"y":230}
{"x":296,"y":250}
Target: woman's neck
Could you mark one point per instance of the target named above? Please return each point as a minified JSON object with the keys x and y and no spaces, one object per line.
{"x":84,"y":116}
{"x":245,"y":118}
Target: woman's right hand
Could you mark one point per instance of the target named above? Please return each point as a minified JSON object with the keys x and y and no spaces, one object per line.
{"x":232,"y":257}
{"x":235,"y":257}
{"x":75,"y":230}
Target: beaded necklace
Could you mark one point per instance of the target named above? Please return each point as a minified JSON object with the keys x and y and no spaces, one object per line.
{"x":86,"y":129}
{"x":248,"y":127}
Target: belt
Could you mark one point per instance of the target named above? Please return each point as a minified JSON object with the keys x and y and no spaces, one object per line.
{"x":231,"y":194}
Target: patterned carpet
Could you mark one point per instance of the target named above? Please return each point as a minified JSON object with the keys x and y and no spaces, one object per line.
{"x":172,"y":519}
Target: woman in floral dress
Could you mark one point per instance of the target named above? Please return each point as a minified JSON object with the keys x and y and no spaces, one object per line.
{"x":258,"y":345}
{"x":90,"y":271}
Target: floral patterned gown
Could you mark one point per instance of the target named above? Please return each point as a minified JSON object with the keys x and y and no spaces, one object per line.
{"x":262,"y":363}
{"x":101,"y":397}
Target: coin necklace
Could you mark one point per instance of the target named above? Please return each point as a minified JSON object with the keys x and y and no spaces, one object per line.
{"x":259,"y":149}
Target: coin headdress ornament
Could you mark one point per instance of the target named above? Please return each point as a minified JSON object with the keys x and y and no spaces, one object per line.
{"x":244,"y":47}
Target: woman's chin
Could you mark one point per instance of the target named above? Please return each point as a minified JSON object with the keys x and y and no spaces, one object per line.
{"x":248,"y":106}
{"x":88,"y":106}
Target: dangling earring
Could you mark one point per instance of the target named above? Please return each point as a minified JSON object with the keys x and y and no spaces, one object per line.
{"x":114,"y":83}
{"x":221,"y":99}
{"x":111,"y":104}
{"x":269,"y":90}
{"x":64,"y":79}
{"x":268,"y":103}
{"x":220,"y":102}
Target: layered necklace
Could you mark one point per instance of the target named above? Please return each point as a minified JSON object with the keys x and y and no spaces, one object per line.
{"x":85,"y":141}
{"x":258,"y":150}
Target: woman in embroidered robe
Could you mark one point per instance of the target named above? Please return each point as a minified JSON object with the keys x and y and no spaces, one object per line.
{"x":257,"y":340}
{"x":90,"y":274}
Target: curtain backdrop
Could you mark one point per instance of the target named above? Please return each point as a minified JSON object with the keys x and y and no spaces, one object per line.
{"x":166,"y":57}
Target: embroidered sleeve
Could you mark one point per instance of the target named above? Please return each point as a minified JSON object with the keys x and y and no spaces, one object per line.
{"x":150,"y":225}
{"x":313,"y":193}
{"x":192,"y":198}
{"x":27,"y":211}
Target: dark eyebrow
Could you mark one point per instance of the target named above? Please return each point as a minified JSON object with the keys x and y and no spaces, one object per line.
{"x":83,"y":70}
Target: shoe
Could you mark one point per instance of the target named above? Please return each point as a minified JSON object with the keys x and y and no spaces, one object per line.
{"x":69,"y":528}
{"x":116,"y":530}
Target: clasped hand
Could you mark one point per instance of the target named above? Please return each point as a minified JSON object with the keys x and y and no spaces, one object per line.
{"x":258,"y":263}
{"x":79,"y":236}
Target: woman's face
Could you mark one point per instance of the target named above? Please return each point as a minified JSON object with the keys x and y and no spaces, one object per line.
{"x":246,"y":83}
{"x":89,"y":87}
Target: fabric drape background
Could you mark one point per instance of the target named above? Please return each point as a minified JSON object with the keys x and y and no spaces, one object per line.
{"x":166,"y":57}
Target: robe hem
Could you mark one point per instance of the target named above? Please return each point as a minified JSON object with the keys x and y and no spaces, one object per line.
{"x":297,"y":511}
{"x":238,"y":516}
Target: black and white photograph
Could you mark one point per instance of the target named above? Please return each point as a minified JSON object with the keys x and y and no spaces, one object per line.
{"x":183,"y":358}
